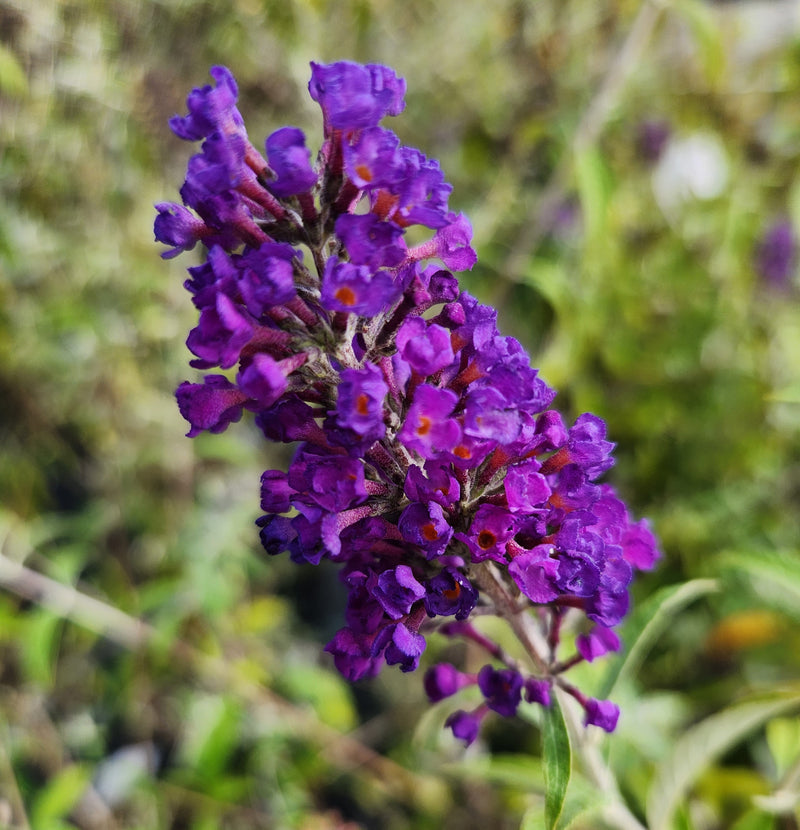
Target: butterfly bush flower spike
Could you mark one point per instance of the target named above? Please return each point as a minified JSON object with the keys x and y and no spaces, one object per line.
{"x":431,"y":466}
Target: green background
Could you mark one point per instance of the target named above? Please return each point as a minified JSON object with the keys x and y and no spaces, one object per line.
{"x":169,"y":676}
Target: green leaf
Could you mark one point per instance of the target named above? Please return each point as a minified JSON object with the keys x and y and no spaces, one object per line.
{"x":647,"y":624}
{"x":59,"y":796}
{"x":701,"y":745}
{"x":557,"y":758}
{"x":773,"y":575}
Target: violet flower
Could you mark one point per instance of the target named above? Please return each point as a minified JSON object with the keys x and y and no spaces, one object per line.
{"x":431,"y":467}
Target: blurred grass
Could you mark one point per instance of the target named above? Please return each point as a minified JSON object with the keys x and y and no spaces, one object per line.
{"x":638,"y":302}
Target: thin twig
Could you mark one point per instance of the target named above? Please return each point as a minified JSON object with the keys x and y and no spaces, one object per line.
{"x":539,"y":219}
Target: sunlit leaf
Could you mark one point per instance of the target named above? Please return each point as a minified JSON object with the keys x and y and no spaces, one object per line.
{"x":701,"y":745}
{"x":773,"y":575}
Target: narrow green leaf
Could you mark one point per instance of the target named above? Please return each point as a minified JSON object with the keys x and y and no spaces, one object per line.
{"x":557,"y":758}
{"x":773,"y":575}
{"x":701,"y":745}
{"x":648,"y":622}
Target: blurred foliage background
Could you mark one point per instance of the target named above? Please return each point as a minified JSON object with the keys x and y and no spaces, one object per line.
{"x":625,"y":166}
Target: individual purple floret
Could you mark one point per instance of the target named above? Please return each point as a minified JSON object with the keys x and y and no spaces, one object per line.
{"x":424,"y":524}
{"x":444,"y":680}
{"x":502,"y":689}
{"x":466,"y":725}
{"x":429,"y":466}
{"x":211,"y":109}
{"x":290,"y":161}
{"x":353,"y":96}
{"x":396,"y":590}
{"x":450,"y":593}
{"x":602,"y":713}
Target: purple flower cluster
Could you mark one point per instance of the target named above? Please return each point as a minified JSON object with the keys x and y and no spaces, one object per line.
{"x":430,"y":465}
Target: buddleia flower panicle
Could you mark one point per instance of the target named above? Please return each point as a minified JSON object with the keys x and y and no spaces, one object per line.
{"x":431,"y":466}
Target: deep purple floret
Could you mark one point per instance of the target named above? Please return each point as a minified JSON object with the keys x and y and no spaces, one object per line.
{"x":374,"y":160}
{"x":352,"y":654}
{"x":490,"y":415}
{"x":360,"y":402}
{"x":526,"y":488}
{"x":400,"y":646}
{"x":450,"y":593}
{"x":277,"y":533}
{"x":424,"y":524}
{"x":428,"y":429}
{"x":396,"y":590}
{"x":444,"y":680}
{"x":290,"y":161}
{"x":599,"y":641}
{"x":222,"y":332}
{"x":210,"y":108}
{"x":466,"y":725}
{"x":210,"y":405}
{"x":536,"y":573}
{"x":177,"y":226}
{"x":263,"y":380}
{"x":266,"y":276}
{"x":370,"y":240}
{"x":602,"y":713}
{"x":275,"y":491}
{"x":639,"y":545}
{"x":433,"y":483}
{"x":353,"y":96}
{"x":491,"y":528}
{"x":356,"y":288}
{"x":537,"y":691}
{"x":502,"y":689}
{"x":424,"y":346}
